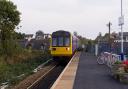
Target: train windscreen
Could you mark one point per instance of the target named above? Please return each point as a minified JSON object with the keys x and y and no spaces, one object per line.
{"x":61,"y":38}
{"x":61,"y":41}
{"x":54,"y":41}
{"x":67,"y":41}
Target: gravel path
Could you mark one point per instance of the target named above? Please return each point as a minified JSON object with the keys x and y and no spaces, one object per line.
{"x":90,"y":75}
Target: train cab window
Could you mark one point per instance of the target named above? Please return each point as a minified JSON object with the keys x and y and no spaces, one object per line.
{"x":54,"y":41}
{"x":67,"y":41}
{"x":60,"y":39}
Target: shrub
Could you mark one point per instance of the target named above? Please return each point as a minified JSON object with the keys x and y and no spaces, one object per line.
{"x":117,"y":62}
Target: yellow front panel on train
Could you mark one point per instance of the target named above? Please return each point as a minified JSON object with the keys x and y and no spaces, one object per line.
{"x":61,"y":51}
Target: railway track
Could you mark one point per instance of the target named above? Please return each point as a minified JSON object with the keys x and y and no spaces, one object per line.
{"x":43,"y":78}
{"x":47,"y":80}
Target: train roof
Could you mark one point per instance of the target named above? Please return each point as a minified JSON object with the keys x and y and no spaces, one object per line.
{"x":61,"y":33}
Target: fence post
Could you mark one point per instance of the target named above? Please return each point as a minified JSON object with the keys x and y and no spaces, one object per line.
{"x":96,"y":49}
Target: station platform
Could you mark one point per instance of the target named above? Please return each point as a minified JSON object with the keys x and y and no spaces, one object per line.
{"x":83,"y":72}
{"x":90,"y":75}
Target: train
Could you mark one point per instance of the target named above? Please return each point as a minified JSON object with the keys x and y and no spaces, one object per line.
{"x":63,"y":45}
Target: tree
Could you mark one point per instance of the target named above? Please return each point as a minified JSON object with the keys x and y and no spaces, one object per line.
{"x":83,"y":40}
{"x":9,"y":19}
{"x":19,"y":35}
{"x":75,"y":33}
{"x":99,"y":38}
{"x":39,"y":35}
{"x":100,"y":34}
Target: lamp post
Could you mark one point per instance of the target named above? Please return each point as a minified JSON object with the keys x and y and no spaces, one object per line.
{"x":121,"y":23}
{"x":122,"y":45}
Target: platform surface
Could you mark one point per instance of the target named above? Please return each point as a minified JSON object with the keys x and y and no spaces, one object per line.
{"x":90,"y":75}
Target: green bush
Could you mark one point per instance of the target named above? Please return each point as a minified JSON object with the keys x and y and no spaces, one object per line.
{"x":117,"y":62}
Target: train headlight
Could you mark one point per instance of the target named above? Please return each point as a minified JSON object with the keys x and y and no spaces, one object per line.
{"x":67,"y":49}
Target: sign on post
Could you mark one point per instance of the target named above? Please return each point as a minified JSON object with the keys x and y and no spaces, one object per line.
{"x":121,"y":20}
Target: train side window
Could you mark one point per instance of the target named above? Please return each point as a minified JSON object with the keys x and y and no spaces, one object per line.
{"x":54,"y":41}
{"x":67,"y":41}
{"x":61,"y":41}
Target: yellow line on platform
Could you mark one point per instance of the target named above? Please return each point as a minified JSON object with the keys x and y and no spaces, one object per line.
{"x":67,"y":77}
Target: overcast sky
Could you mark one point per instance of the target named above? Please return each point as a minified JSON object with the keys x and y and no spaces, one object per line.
{"x":87,"y":17}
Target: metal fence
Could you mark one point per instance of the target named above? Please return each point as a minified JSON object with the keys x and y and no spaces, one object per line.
{"x":106,"y":47}
{"x":114,"y":48}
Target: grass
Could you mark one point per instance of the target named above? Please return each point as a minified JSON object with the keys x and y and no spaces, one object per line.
{"x":22,"y":65}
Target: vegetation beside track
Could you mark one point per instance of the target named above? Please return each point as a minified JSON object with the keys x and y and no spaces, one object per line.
{"x":20,"y":66}
{"x":15,"y":62}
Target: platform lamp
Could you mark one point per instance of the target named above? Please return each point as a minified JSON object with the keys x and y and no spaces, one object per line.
{"x":121,"y":23}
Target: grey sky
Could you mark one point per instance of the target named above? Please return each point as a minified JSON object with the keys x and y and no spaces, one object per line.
{"x":87,"y":17}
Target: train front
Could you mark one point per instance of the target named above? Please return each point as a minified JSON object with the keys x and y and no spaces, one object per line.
{"x":61,"y":45}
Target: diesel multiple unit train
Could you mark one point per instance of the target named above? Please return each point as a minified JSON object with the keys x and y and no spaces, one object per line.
{"x":63,"y":45}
